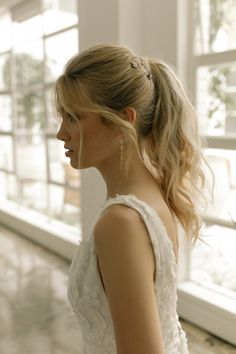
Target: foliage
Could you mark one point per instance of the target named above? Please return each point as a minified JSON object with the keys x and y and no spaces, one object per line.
{"x":219,"y":17}
{"x":217,"y":89}
{"x":28,"y":79}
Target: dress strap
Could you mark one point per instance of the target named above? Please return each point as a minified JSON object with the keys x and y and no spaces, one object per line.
{"x":162,"y":244}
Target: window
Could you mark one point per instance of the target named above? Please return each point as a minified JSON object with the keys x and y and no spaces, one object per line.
{"x":214,"y":58}
{"x":37,"y":38}
{"x":207,"y":294}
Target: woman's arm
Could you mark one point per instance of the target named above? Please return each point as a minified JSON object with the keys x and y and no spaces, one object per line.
{"x":127,"y":267}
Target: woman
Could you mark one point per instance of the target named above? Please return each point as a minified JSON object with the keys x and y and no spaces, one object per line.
{"x":130,"y":118}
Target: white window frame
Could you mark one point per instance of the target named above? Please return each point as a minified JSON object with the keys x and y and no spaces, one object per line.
{"x":206,"y":308}
{"x":46,"y":231}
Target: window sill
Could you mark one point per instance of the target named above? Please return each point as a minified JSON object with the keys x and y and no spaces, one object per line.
{"x":212,"y":311}
{"x":51,"y":234}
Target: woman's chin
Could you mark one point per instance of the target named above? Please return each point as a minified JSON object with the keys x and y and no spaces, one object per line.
{"x":74,"y":164}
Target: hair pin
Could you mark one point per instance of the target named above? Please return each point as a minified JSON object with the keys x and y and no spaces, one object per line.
{"x":134,"y":65}
{"x":149,"y":75}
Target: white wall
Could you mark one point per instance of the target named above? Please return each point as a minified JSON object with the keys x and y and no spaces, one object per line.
{"x":149,"y":27}
{"x":98,"y":22}
{"x":4,"y":4}
{"x":160,"y":29}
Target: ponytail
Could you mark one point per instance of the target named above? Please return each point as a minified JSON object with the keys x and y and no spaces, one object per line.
{"x":175,"y":149}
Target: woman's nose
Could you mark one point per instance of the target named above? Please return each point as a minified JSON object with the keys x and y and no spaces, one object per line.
{"x":62,"y":134}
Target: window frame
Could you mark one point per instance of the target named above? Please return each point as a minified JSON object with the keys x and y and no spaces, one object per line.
{"x":204,"y":307}
{"x":46,"y":135}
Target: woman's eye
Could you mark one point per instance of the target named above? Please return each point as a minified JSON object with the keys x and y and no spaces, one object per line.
{"x":70,"y":118}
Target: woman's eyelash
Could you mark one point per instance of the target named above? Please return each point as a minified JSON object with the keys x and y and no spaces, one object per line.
{"x":70,"y":117}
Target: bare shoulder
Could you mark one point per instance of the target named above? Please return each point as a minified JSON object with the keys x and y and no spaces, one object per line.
{"x":122,"y":226}
{"x":115,"y":213}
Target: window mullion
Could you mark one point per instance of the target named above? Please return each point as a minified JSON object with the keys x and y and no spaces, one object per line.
{"x":210,"y":220}
{"x":214,"y":58}
{"x":221,"y":142}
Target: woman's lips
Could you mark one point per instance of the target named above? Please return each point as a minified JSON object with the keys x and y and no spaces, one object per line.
{"x":69,"y":153}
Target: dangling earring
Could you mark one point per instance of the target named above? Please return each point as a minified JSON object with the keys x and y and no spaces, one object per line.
{"x":121,"y":152}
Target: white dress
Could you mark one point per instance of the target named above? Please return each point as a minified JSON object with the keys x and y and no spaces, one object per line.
{"x":88,"y":298}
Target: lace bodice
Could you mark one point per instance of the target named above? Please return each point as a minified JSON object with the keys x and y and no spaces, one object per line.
{"x":88,"y":299}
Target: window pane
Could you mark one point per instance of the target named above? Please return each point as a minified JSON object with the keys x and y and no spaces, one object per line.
{"x":5,"y":77}
{"x":6,"y":155}
{"x":216,"y":99}
{"x":64,"y":206}
{"x":60,"y":170}
{"x":25,"y":31}
{"x":6,"y":113}
{"x":31,"y":158}
{"x":214,"y":264}
{"x":59,"y":49}
{"x":23,"y":71}
{"x":64,"y":201}
{"x":8,"y":187}
{"x":215,"y":29}
{"x":28,"y":64}
{"x":59,"y":15}
{"x":56,"y":160}
{"x":224,"y":206}
{"x":33,"y":194}
{"x":30,"y":109}
{"x":52,"y":117}
{"x":5,"y":32}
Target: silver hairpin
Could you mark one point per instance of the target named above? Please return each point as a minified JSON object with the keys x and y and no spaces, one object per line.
{"x":149,"y":75}
{"x":134,"y":65}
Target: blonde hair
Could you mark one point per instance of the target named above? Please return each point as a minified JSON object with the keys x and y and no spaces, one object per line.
{"x":105,"y":79}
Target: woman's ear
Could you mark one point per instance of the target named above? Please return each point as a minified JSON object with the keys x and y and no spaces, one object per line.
{"x":130,"y":114}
